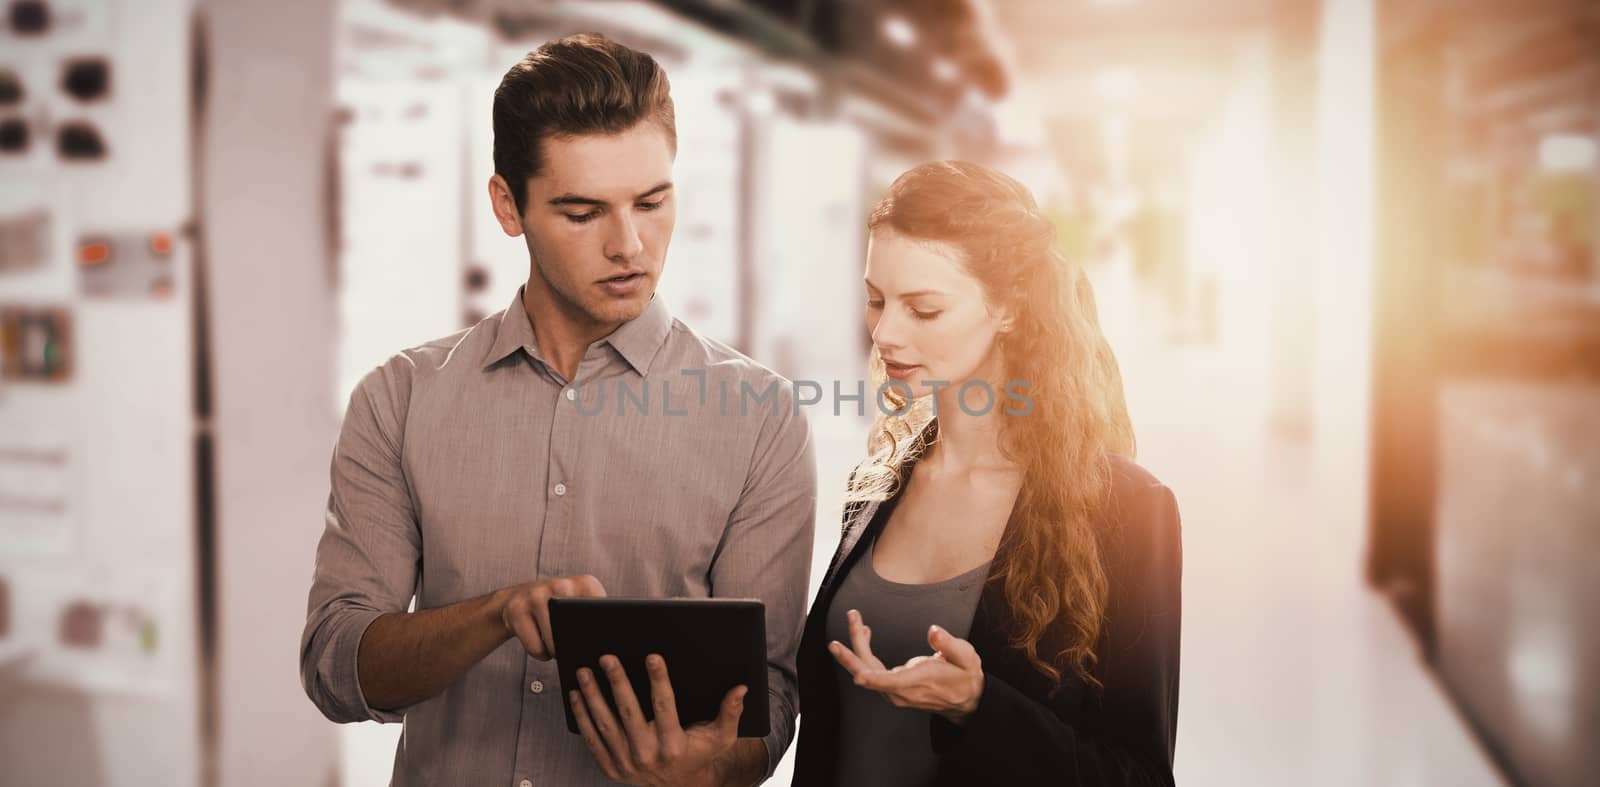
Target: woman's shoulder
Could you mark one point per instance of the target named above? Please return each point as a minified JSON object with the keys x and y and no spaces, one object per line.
{"x":1141,"y":510}
{"x":1131,"y":479}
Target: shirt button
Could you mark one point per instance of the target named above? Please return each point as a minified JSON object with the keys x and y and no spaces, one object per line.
{"x":561,"y":489}
{"x":571,"y":395}
{"x":537,"y":687}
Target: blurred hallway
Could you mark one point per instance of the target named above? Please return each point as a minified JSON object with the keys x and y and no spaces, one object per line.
{"x":1277,"y":624}
{"x":1347,"y":252}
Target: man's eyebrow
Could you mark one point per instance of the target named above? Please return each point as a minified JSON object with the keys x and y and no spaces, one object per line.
{"x":574,"y":199}
{"x":659,"y":188}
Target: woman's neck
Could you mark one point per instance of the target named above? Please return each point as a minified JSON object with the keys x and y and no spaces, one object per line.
{"x":969,"y":432}
{"x":967,"y":443}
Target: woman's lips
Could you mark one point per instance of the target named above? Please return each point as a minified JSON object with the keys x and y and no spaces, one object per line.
{"x":899,"y":371}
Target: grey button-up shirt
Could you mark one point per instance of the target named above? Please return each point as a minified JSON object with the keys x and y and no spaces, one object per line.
{"x":671,"y":466}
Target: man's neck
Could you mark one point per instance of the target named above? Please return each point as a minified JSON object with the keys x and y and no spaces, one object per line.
{"x":563,"y":336}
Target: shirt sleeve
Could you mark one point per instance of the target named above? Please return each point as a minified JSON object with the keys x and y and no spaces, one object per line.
{"x":368,"y":559}
{"x":765,"y":553}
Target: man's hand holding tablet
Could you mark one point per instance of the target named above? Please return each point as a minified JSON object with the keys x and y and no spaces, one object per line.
{"x":639,"y":727}
{"x":655,"y":752}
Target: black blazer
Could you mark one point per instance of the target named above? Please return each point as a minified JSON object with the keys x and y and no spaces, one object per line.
{"x":1021,"y":733}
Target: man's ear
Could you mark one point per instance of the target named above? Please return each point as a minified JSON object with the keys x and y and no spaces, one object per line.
{"x":504,"y":206}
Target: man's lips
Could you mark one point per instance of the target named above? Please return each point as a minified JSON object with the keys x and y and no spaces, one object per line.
{"x":624,"y":285}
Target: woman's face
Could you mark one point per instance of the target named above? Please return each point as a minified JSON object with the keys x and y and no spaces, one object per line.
{"x":928,"y":317}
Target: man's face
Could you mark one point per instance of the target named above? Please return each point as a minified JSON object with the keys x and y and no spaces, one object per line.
{"x":598,"y":222}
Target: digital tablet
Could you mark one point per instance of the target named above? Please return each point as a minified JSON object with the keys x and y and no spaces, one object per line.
{"x":710,"y":646}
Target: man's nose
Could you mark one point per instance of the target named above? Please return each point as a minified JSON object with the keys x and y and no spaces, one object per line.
{"x":623,"y":243}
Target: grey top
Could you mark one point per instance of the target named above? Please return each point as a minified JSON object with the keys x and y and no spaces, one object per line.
{"x":881,"y":745}
{"x":468,"y":464}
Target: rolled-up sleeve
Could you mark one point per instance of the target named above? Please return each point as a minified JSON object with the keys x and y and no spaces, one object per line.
{"x":368,"y":558}
{"x":766,"y":554}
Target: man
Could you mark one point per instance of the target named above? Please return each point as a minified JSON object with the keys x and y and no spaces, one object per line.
{"x":564,"y":447}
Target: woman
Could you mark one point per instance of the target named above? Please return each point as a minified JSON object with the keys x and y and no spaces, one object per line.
{"x":1004,"y":604}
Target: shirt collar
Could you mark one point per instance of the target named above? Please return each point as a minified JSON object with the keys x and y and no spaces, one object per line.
{"x":515,"y":332}
{"x":637,"y":340}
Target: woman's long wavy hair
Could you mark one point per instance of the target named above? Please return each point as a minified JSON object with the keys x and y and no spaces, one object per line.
{"x":1052,"y":556}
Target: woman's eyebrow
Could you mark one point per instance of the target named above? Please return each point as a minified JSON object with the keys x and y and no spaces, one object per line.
{"x":912,"y":294}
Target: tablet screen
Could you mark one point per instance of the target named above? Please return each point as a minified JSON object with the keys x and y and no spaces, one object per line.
{"x":710,"y":646}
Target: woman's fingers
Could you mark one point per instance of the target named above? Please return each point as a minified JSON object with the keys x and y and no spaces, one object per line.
{"x":900,"y":679}
{"x":954,"y":649}
{"x":847,"y":659}
{"x":925,"y":682}
{"x":861,"y":640}
{"x":918,"y":683}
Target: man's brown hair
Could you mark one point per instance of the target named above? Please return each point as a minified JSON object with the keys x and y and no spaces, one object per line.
{"x":581,"y":84}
